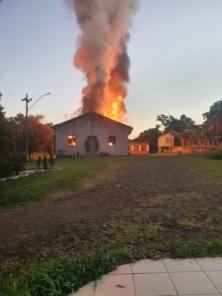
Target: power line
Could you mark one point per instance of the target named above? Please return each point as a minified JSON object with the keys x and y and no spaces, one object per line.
{"x":155,"y":99}
{"x":176,"y":84}
{"x":7,"y":86}
{"x":176,"y":59}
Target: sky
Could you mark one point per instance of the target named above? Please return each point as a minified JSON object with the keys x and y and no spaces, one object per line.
{"x":175,"y":50}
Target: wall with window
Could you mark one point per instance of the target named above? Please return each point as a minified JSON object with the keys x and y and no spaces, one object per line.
{"x":111,"y":137}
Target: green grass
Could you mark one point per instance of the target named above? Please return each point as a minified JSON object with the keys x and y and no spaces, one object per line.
{"x":41,"y":185}
{"x":180,"y":223}
{"x":205,"y":164}
{"x":64,"y":275}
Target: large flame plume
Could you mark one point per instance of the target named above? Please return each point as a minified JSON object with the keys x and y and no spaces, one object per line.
{"x":102,"y":54}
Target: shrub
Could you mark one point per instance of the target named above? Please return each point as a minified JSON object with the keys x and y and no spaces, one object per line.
{"x":6,"y":167}
{"x":39,"y":162}
{"x":51,"y":160}
{"x":45,"y":163}
{"x":215,"y":154}
{"x":10,"y":166}
{"x":65,"y":275}
{"x":18,"y":166}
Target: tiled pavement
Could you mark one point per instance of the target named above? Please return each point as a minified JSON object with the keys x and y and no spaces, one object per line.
{"x":163,"y":277}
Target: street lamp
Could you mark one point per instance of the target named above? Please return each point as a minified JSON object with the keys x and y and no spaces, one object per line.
{"x":36,"y":101}
{"x":27,"y":108}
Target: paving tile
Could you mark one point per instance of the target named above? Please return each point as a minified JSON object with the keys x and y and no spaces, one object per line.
{"x":205,"y":295}
{"x":216,"y":278}
{"x":123,"y":269}
{"x":85,"y":291}
{"x":115,"y":285}
{"x":178,"y":265}
{"x":209,"y":264}
{"x":192,"y":283}
{"x":148,"y":266}
{"x":154,"y":284}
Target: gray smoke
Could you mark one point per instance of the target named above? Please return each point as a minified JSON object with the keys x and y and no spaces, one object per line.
{"x":102,"y":53}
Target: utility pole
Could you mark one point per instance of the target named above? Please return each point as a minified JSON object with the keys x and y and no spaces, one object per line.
{"x":27,"y":100}
{"x":1,"y":96}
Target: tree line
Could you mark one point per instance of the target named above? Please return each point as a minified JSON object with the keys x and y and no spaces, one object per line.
{"x":208,"y":133}
{"x":12,"y":134}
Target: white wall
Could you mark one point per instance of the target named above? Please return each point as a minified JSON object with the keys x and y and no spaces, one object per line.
{"x":86,"y":126}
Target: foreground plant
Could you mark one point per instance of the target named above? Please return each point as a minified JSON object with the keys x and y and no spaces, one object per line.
{"x":64,"y":275}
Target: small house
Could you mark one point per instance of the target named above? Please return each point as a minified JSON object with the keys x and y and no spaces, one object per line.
{"x":169,"y":143}
{"x":91,"y":134}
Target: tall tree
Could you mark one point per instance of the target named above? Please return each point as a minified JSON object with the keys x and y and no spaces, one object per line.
{"x":183,"y":124}
{"x":214,"y":112}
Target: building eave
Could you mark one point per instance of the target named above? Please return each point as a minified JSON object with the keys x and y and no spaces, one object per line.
{"x":130,"y":129}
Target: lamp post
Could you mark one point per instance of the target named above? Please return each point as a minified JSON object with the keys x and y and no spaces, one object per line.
{"x":36,"y":101}
{"x":27,"y":100}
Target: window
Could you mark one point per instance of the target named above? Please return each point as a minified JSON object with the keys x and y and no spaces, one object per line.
{"x":143,"y":147}
{"x":112,"y":141}
{"x":71,"y":140}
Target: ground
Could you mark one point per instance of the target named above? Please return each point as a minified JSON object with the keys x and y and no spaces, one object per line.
{"x":154,"y":206}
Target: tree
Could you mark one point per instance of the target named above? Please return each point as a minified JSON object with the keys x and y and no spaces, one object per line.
{"x":214,"y":112}
{"x":151,"y":136}
{"x":7,"y":135}
{"x":182,"y":125}
{"x":40,"y":134}
{"x":164,"y":120}
{"x":2,"y":113}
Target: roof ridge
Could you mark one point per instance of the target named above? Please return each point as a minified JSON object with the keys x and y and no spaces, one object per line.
{"x":94,"y":114}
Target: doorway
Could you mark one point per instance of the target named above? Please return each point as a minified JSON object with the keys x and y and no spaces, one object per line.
{"x":92,"y":145}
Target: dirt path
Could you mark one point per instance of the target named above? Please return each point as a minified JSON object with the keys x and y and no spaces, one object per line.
{"x":156,"y":190}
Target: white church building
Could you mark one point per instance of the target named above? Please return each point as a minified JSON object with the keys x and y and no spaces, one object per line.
{"x":91,"y":134}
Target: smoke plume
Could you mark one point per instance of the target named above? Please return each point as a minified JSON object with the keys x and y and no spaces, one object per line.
{"x":102,"y":53}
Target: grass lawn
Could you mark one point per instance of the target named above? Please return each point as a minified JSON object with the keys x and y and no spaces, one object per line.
{"x":145,"y":207}
{"x":43,"y":185}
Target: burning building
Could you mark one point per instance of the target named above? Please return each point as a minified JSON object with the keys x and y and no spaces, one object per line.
{"x":102,"y":57}
{"x":91,"y":134}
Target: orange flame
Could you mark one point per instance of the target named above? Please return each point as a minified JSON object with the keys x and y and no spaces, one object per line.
{"x":113,"y":108}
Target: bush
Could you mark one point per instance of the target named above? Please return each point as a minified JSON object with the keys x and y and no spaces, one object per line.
{"x":45,"y":163}
{"x":10,"y":166}
{"x":51,"y":160}
{"x":215,"y":154}
{"x":6,"y":167}
{"x":18,"y":166}
{"x":39,"y":162}
{"x":66,"y":275}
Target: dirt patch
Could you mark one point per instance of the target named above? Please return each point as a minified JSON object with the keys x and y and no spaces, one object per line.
{"x":143,"y":201}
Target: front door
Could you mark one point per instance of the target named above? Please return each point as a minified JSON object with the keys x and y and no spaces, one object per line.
{"x":92,"y":145}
